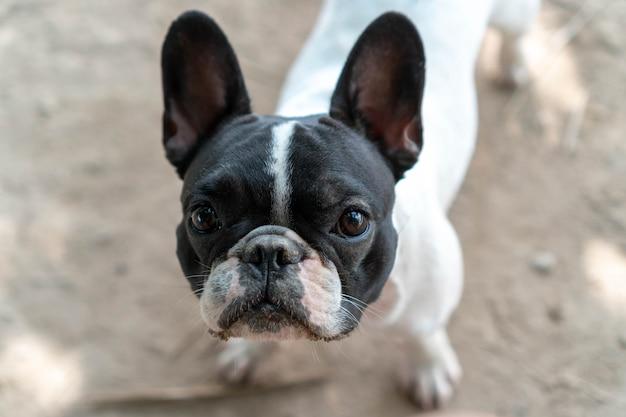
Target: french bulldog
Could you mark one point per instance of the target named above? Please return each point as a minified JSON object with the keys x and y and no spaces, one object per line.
{"x":294,"y":223}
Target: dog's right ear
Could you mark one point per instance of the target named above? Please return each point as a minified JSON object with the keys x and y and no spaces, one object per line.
{"x":202,"y":85}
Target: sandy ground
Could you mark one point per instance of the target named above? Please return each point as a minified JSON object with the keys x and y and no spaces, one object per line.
{"x":91,"y":296}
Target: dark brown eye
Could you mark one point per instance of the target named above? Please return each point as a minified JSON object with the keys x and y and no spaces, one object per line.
{"x":352,"y":223}
{"x":204,"y":219}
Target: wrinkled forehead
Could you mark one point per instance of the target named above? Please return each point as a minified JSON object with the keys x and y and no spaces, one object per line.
{"x":239,"y":144}
{"x":277,"y":161}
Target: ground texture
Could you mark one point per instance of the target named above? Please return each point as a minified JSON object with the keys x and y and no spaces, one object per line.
{"x":91,"y":297}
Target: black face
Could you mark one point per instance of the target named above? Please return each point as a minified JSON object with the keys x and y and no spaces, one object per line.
{"x":287,"y":223}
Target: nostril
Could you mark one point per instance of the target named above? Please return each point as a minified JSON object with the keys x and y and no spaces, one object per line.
{"x":259,"y":255}
{"x":281,"y":257}
{"x":287,"y":256}
{"x":275,"y":252}
{"x":254,"y":255}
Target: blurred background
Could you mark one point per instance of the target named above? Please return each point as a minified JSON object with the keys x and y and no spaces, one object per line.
{"x":93,"y":305}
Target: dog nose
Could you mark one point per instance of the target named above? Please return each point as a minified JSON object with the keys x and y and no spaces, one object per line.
{"x":273,"y":252}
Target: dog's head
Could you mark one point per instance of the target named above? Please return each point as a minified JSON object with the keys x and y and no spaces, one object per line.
{"x":287,"y":228}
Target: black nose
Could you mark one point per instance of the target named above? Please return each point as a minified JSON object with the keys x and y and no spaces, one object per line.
{"x":272,"y":252}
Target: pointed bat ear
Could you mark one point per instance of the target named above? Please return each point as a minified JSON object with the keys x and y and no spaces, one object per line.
{"x":379,"y":92}
{"x":202,"y":85}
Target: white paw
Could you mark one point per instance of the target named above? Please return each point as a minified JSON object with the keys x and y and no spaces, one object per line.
{"x":433,"y":386}
{"x":236,"y":363}
{"x":514,"y":71}
{"x":436,"y":375}
{"x":515,"y":76}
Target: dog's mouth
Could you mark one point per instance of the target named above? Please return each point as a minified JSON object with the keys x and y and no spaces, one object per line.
{"x":267,"y":320}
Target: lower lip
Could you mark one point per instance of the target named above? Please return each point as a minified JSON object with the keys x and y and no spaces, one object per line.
{"x":269,"y":320}
{"x":269,"y":313}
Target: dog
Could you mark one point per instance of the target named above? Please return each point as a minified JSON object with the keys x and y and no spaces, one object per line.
{"x":294,"y":223}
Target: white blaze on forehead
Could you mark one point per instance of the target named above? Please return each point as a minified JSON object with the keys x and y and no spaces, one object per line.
{"x":280,"y":169}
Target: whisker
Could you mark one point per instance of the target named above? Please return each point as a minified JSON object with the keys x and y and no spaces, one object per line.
{"x":349,"y":315}
{"x":197,"y":276}
{"x":339,"y":347}
{"x":358,"y":307}
{"x":364,"y":309}
{"x":314,"y":352}
{"x":367,"y":313}
{"x":369,"y":307}
{"x":208,"y":268}
{"x":353,"y":298}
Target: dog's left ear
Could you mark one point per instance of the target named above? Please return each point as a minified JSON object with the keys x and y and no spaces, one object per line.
{"x":202,"y":85}
{"x":379,"y":92}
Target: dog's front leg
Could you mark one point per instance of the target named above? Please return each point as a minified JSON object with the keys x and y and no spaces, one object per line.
{"x":436,"y":370}
{"x":429,"y":269}
{"x":514,"y":18}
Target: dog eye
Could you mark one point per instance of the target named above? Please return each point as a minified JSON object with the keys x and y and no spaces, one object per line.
{"x":204,"y":219}
{"x":352,"y":223}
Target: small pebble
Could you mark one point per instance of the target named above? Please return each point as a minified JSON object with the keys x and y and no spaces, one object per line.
{"x":555,"y":314}
{"x":543,"y":262}
{"x":121,"y":269}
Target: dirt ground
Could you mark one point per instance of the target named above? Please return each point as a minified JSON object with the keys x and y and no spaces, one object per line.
{"x":92,"y":300}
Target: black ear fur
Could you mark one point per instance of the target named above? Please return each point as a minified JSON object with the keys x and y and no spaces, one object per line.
{"x":202,"y":85}
{"x":379,"y":92}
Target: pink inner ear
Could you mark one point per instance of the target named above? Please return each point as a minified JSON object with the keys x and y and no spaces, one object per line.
{"x":379,"y":100}
{"x":183,"y":135}
{"x":396,"y":127}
